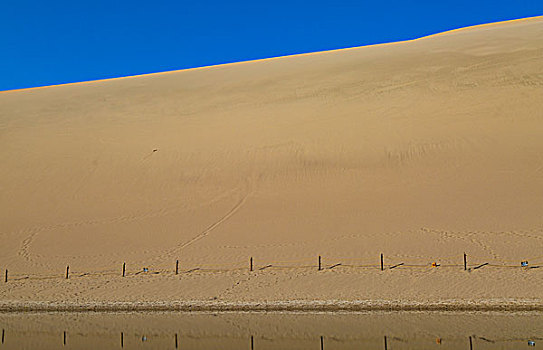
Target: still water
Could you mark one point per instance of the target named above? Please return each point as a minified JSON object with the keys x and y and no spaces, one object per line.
{"x":260,"y":331}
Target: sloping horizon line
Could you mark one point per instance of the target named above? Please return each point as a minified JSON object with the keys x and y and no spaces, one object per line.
{"x":219,"y":65}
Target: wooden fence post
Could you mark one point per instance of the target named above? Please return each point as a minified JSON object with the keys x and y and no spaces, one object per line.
{"x":67,"y":271}
{"x":3,"y":335}
{"x":124,"y":268}
{"x":322,"y":342}
{"x":176,"y":340}
{"x":122,"y":340}
{"x":320,"y":263}
{"x":64,"y":341}
{"x":386,"y":347}
{"x":252,"y":343}
{"x":251,"y":264}
{"x":382,"y":267}
{"x":465,"y":262}
{"x":177,"y":267}
{"x":470,"y":343}
{"x":6,"y":278}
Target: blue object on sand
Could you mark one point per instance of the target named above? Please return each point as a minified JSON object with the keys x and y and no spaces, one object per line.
{"x":524,"y":263}
{"x":531,"y":343}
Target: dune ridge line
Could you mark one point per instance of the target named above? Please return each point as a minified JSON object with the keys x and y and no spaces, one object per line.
{"x":277,"y":57}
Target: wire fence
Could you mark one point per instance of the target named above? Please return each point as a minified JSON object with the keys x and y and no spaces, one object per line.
{"x":251,"y":265}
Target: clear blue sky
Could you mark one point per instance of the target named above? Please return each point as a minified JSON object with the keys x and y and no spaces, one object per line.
{"x":58,"y":41}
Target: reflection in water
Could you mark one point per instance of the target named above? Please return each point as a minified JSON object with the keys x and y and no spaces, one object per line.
{"x":256,"y":331}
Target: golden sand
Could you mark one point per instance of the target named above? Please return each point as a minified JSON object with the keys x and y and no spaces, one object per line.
{"x":421,"y":150}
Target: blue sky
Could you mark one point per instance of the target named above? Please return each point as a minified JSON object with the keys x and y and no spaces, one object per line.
{"x":54,"y":42}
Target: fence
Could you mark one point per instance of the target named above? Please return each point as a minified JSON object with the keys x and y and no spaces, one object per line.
{"x":292,"y":264}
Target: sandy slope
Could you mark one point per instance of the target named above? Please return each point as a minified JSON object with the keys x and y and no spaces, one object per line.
{"x":421,"y":150}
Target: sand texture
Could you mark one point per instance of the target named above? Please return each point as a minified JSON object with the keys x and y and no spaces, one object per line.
{"x":419,"y":150}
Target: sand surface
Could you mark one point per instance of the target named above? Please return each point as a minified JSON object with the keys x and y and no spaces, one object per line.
{"x":419,"y":150}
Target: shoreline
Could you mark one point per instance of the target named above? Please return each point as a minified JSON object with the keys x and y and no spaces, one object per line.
{"x":276,"y":306}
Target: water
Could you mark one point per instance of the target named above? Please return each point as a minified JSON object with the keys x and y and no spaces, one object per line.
{"x":261,"y":331}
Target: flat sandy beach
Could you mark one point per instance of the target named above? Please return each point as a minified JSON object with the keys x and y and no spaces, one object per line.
{"x":420,"y":150}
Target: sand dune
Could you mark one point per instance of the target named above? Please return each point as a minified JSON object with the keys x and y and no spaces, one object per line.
{"x":420,"y":150}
